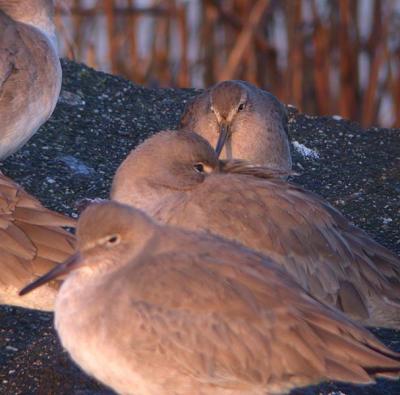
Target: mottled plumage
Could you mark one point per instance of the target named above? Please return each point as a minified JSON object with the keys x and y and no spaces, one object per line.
{"x":151,"y":309}
{"x":31,"y":243}
{"x":30,"y":71}
{"x":31,"y":238}
{"x":176,"y":177}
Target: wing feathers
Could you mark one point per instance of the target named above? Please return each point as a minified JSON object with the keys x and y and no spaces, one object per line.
{"x":311,"y":239}
{"x":31,"y":242}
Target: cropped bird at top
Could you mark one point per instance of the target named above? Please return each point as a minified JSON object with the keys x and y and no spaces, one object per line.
{"x":30,"y":71}
{"x":32,"y":240}
{"x":241,"y":121}
{"x":150,"y":309}
{"x":176,"y":178}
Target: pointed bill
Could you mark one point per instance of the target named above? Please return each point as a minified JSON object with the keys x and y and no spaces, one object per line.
{"x":72,"y":263}
{"x":223,"y":136}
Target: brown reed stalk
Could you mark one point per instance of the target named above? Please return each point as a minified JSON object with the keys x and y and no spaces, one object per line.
{"x":183,"y":33}
{"x":65,"y":35}
{"x":157,"y":10}
{"x":250,"y":72}
{"x":243,"y":41}
{"x":162,"y":48}
{"x":91,"y":55}
{"x":294,"y":72}
{"x":229,"y":17}
{"x":248,"y":68}
{"x":233,"y":45}
{"x":347,"y":64}
{"x":135,"y":73}
{"x":320,"y":37}
{"x":396,"y":95}
{"x":369,"y":107}
{"x":77,"y":36}
{"x":207,"y":44}
{"x":378,"y":56}
{"x":112,"y":47}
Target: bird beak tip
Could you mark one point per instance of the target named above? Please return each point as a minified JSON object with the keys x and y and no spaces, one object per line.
{"x":73,"y":262}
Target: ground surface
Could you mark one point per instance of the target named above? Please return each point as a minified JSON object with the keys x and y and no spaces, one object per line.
{"x":98,"y":120}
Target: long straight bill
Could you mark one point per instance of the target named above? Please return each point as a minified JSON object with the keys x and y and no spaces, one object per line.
{"x":73,"y":262}
{"x":223,"y":136}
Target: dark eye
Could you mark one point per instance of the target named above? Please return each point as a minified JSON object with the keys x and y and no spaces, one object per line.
{"x":113,"y":240}
{"x":241,"y":107}
{"x":199,"y":167}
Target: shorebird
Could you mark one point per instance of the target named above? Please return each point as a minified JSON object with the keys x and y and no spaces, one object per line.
{"x":30,"y":71}
{"x":242,"y":122}
{"x":32,"y":239}
{"x":31,"y":242}
{"x":176,"y":178}
{"x":150,"y":309}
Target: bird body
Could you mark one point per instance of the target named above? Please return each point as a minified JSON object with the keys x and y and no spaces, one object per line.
{"x":327,"y":255}
{"x":30,"y":71}
{"x":150,"y":309}
{"x":242,"y":122}
{"x":32,"y":239}
{"x":32,"y":242}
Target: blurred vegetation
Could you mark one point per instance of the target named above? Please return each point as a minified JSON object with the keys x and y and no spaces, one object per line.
{"x":323,"y":56}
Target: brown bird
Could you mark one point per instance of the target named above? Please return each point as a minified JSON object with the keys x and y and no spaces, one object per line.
{"x":150,"y":309}
{"x":30,"y":71}
{"x":176,"y":177}
{"x":32,"y":240}
{"x":242,"y":122}
{"x":31,"y":243}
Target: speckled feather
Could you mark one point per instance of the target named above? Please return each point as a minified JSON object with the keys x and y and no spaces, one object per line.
{"x":197,"y":314}
{"x":32,"y":242}
{"x":335,"y":261}
{"x":32,"y":238}
{"x":28,"y":64}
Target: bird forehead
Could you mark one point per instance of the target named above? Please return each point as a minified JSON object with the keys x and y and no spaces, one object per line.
{"x":100,"y":220}
{"x":225,"y":96}
{"x":96,"y":230}
{"x":191,"y":156}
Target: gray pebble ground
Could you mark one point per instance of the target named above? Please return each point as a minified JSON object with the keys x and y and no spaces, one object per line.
{"x":98,"y":120}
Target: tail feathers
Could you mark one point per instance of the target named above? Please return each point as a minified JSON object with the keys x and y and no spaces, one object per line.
{"x":353,"y":354}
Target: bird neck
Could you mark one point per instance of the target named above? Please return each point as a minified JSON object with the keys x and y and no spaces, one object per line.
{"x":278,"y":153}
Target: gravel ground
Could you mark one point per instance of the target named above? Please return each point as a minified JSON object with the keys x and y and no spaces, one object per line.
{"x":98,"y":120}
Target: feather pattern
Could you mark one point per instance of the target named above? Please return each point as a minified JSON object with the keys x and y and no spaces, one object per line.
{"x":331,"y":258}
{"x":334,"y":260}
{"x":197,"y":314}
{"x":32,"y":241}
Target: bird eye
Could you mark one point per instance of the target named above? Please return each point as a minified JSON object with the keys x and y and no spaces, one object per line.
{"x":113,"y":240}
{"x":241,"y":107}
{"x":199,"y":167}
